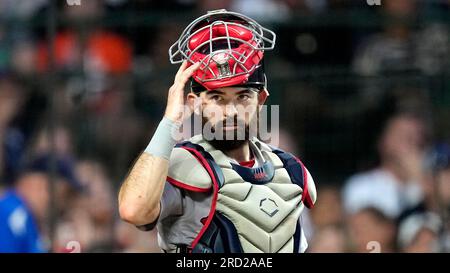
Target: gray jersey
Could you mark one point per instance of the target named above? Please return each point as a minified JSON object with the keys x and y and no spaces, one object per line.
{"x":182,"y":214}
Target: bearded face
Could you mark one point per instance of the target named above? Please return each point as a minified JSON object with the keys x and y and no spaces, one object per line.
{"x":229,"y":117}
{"x":228,"y":134}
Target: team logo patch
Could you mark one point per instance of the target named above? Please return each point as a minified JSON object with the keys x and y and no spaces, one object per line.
{"x":268,"y":206}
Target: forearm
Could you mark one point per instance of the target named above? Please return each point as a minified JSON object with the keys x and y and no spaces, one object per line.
{"x":141,"y":192}
{"x":142,"y":189}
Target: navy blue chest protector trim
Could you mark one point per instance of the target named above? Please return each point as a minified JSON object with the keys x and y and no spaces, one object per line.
{"x":221,"y":235}
{"x":291,"y":165}
{"x":259,"y":175}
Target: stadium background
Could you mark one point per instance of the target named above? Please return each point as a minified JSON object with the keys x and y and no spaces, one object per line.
{"x":92,"y":98}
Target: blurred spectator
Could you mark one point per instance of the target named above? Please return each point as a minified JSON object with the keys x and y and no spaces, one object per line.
{"x":98,"y":61}
{"x":420,"y":233}
{"x":328,"y":210}
{"x":91,"y":218}
{"x":96,"y":53}
{"x":19,"y":212}
{"x":390,"y":50}
{"x":329,"y":239}
{"x":370,"y":227}
{"x":12,"y":138}
{"x":62,"y":141}
{"x":64,"y":172}
{"x":104,"y":122}
{"x":428,"y":220}
{"x":327,"y":231}
{"x":436,"y":192}
{"x":24,"y":207}
{"x":401,"y":47}
{"x":394,"y":184}
{"x":88,"y":221}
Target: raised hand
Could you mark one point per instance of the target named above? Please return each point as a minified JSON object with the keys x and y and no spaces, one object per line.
{"x":175,"y":97}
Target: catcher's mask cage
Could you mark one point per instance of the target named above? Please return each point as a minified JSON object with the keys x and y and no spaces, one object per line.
{"x":229,"y":47}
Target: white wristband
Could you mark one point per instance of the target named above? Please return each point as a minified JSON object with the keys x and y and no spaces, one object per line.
{"x":163,"y":140}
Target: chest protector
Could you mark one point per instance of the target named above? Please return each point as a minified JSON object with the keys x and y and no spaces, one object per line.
{"x":253,"y":210}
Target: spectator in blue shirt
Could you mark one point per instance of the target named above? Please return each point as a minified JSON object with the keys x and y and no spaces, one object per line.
{"x":18,"y":228}
{"x":24,"y":207}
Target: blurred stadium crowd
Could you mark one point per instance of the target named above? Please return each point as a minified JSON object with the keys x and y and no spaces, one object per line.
{"x":364,"y":93}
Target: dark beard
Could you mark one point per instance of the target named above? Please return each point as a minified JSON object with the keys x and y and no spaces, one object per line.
{"x":228,"y":144}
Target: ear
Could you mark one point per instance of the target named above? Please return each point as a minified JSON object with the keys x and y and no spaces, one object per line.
{"x":194,"y":102}
{"x":262,"y":96}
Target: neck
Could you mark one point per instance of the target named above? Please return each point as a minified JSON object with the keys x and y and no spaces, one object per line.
{"x":241,"y":153}
{"x":394,"y":169}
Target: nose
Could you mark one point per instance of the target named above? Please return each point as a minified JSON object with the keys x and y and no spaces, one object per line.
{"x":230,"y":110}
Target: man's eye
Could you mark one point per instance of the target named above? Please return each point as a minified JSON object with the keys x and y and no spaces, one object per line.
{"x":215,"y":97}
{"x":243,"y":97}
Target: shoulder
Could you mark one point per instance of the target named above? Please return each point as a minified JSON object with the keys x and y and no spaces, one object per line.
{"x":186,"y":171}
{"x":9,"y":202}
{"x":295,"y":167}
{"x":14,"y":215}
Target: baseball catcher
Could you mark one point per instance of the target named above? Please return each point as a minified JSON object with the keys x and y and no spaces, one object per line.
{"x":223,"y":190}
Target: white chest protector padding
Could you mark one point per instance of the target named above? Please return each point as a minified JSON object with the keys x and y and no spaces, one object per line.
{"x":265,"y":216}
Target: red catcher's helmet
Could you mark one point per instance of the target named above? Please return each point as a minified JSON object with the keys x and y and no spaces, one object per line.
{"x":229,"y":46}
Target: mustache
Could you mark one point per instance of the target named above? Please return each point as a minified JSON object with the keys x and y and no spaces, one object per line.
{"x":229,"y":122}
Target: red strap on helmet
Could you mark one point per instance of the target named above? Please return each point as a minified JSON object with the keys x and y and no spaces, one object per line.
{"x":219,"y":31}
